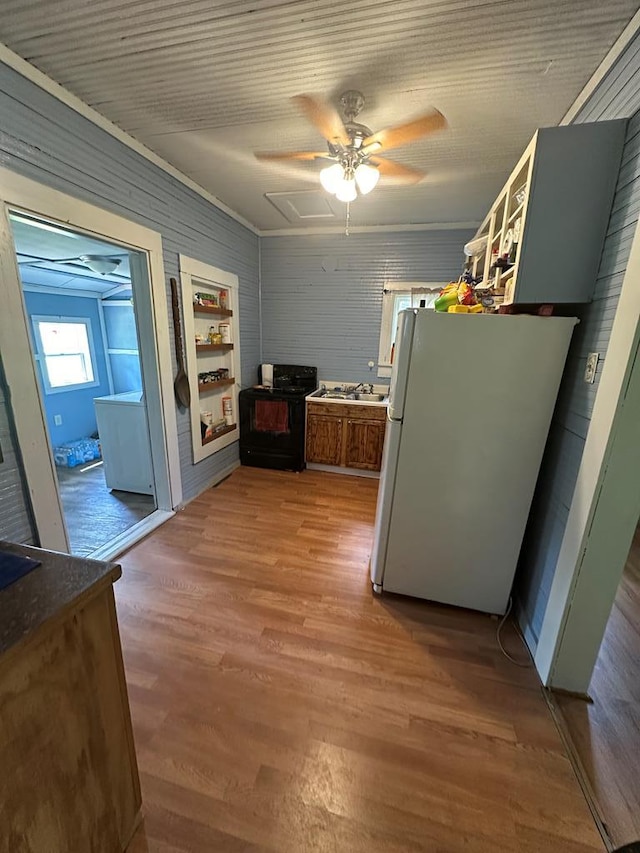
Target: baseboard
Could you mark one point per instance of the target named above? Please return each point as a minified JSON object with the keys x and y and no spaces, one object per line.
{"x":578,"y":768}
{"x":528,"y":635}
{"x":216,"y":480}
{"x":350,"y":472}
{"x":572,"y":693}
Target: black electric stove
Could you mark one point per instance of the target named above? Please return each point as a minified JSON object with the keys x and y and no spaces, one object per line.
{"x":272,"y":420}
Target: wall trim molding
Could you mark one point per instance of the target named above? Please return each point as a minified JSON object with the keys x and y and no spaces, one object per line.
{"x":69,"y":99}
{"x":60,"y":291}
{"x":616,"y":51}
{"x":373,"y":229}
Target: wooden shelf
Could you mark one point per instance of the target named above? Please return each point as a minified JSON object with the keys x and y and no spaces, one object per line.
{"x":507,"y":273}
{"x":516,"y":212}
{"x":219,"y":434}
{"x":213,"y":347}
{"x":214,"y":386}
{"x":209,"y":309}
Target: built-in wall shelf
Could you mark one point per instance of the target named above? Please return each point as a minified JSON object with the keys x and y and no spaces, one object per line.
{"x":213,"y":347}
{"x":216,"y":401}
{"x":206,"y":309}
{"x":219,"y":434}
{"x":203,"y":387}
{"x":549,"y":221}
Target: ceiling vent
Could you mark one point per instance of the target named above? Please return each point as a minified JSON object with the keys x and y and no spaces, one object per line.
{"x":303,"y":206}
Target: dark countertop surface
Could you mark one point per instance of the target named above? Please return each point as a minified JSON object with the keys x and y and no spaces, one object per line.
{"x":45,"y":591}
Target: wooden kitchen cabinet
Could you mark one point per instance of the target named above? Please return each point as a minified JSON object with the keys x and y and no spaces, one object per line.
{"x":70,"y":776}
{"x":346,"y":436}
{"x":324,"y":440}
{"x":363,"y":447}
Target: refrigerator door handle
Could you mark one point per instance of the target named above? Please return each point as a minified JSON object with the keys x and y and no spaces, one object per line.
{"x":400,"y":372}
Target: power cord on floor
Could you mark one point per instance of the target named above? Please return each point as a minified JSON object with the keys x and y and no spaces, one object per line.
{"x":526,"y":665}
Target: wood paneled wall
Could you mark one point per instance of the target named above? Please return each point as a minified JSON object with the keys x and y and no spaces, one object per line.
{"x":322,"y":294}
{"x":47,"y":141}
{"x":618,"y":96}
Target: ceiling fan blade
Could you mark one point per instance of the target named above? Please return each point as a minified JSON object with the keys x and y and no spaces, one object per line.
{"x":401,"y":134}
{"x":324,"y":117}
{"x":391,"y":169}
{"x":33,"y":259}
{"x":290,"y":155}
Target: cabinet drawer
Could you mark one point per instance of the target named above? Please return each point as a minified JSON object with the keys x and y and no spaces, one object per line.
{"x":344,"y":410}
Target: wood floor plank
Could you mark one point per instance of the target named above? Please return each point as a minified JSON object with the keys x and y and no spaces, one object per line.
{"x":278,"y":705}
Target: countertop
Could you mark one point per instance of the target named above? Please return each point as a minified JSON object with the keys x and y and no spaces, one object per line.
{"x":46,"y":591}
{"x":329,"y":384}
{"x":133,"y":397}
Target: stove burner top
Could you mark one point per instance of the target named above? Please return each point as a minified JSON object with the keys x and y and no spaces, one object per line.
{"x":294,"y":390}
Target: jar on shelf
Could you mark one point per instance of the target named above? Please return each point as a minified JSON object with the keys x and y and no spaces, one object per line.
{"x":227,"y":410}
{"x":223,"y":299}
{"x":225,"y":331}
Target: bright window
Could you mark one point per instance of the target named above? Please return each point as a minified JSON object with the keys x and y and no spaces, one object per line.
{"x":397,"y":296}
{"x":64,"y":348}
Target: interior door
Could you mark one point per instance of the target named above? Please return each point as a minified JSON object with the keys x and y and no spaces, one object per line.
{"x":22,"y":383}
{"x":30,"y":199}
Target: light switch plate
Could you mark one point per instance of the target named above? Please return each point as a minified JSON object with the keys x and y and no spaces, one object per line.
{"x":57,"y":419}
{"x":590,"y":369}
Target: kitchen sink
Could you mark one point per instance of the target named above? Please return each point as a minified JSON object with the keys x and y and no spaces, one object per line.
{"x":371,"y":398}
{"x":362,"y":396}
{"x":338,"y":395}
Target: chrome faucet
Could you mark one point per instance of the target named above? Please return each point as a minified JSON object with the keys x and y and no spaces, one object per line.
{"x":362,"y":385}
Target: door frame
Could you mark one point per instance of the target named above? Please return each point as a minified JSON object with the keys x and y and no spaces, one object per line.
{"x":18,"y":192}
{"x":604,"y":509}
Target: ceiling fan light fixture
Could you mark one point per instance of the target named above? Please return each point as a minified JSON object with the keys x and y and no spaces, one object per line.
{"x":366,"y":177}
{"x":332,"y":177}
{"x":347,"y":190}
{"x":99,"y":264}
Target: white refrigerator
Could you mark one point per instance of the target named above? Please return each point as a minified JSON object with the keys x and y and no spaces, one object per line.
{"x":470,"y":405}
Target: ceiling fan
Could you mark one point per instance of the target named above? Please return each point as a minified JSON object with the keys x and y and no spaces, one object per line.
{"x":102,"y":264}
{"x":354,"y":148}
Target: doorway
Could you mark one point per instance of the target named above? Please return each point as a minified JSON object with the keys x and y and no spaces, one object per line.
{"x":79,"y":302}
{"x":125,"y":346}
{"x":604,"y":734}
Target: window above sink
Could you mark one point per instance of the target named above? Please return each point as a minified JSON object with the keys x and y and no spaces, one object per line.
{"x":396,"y":296}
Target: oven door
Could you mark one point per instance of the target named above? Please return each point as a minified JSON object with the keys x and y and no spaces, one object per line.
{"x":272,"y":430}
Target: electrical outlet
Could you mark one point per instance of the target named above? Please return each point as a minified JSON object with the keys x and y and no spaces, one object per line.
{"x":590,"y":369}
{"x":57,"y":419}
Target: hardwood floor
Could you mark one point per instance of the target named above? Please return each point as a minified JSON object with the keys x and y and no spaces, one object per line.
{"x":279,"y":706}
{"x":94,"y":515}
{"x":606,"y":734}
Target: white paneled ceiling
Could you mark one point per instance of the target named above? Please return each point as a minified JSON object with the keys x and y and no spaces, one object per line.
{"x":204,"y":83}
{"x":51,"y":256}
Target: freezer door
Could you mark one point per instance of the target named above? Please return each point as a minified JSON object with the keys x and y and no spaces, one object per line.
{"x":401,"y":362}
{"x":385,"y":499}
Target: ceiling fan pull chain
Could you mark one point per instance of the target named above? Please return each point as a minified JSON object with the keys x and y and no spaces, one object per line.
{"x":347,"y":218}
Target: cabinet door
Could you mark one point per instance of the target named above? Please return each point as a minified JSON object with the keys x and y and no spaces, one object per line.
{"x":364,"y":444}
{"x":324,"y":440}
